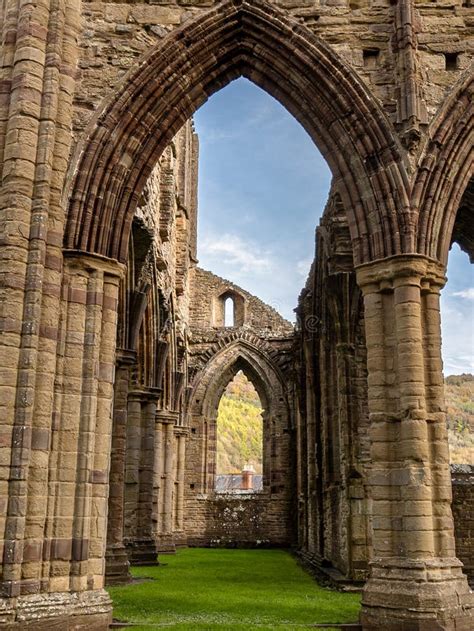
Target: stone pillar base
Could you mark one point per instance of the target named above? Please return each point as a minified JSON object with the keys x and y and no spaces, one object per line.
{"x":166,"y":547}
{"x":84,"y":611}
{"x":429,"y":595}
{"x":168,"y":544}
{"x":117,"y":566}
{"x":142,"y":552}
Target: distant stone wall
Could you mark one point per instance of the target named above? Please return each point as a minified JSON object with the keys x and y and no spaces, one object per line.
{"x":240,"y":520}
{"x":207,"y":288}
{"x":260,"y":344}
{"x":463,"y":513}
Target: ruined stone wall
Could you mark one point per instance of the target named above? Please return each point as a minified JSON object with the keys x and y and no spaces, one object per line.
{"x":92,"y":94}
{"x":332,"y":425}
{"x":463,"y":513}
{"x":408,"y":56}
{"x":260,"y":346}
{"x":258,"y":317}
{"x":250,"y":520}
{"x":148,"y":443}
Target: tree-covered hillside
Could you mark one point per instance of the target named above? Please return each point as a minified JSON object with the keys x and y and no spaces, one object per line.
{"x":460,"y":414}
{"x":239,"y":428}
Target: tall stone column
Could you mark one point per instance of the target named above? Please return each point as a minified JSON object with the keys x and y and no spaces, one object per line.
{"x":350,"y":458}
{"x":157,"y":478}
{"x":181,"y":434}
{"x":415,"y":581}
{"x":70,"y":562}
{"x":37,"y":69}
{"x":146,"y":550}
{"x":117,"y":564}
{"x":353,"y":519}
{"x":132,"y":463}
{"x":166,"y":420}
{"x":140,"y":537}
{"x":313,"y":496}
{"x":210,"y":455}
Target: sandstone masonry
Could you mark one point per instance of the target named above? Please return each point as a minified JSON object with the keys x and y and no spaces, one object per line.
{"x":107,"y":360}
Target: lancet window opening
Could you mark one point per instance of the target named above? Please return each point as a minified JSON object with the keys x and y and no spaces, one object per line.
{"x":229,"y":312}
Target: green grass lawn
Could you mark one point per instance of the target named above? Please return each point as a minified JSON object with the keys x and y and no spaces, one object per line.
{"x":203,"y":589}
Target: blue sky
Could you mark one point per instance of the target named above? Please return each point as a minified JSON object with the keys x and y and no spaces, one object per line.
{"x":263,"y":186}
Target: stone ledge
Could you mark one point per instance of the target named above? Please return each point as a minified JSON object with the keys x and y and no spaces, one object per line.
{"x":62,"y":611}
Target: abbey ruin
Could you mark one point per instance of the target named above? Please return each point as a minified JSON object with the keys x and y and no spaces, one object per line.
{"x":113,"y":346}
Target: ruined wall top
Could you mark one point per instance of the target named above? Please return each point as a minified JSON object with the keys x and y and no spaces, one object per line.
{"x":208,"y":293}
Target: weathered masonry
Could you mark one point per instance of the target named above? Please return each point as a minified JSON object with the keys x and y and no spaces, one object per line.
{"x":114,"y":347}
{"x":261,"y":345}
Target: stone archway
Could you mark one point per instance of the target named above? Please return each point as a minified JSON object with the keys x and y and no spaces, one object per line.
{"x":59,"y":329}
{"x":255,"y":519}
{"x":258,"y":41}
{"x":445,"y":171}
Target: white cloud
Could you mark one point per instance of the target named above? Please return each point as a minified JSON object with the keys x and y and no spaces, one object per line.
{"x":216,"y":135}
{"x":458,"y":332}
{"x":260,"y":271}
{"x":468,"y":294}
{"x":458,"y":364}
{"x":230,"y":249}
{"x":303,"y":267}
{"x":266,"y":113}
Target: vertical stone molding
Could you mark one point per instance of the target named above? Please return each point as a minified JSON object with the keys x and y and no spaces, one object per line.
{"x":181,"y":435}
{"x":415,"y":581}
{"x":94,"y":431}
{"x":139,"y":478}
{"x":168,"y":478}
{"x":166,"y":428}
{"x":117,"y":564}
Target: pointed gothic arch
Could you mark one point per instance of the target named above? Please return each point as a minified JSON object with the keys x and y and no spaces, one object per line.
{"x":238,"y":354}
{"x":273,"y":504}
{"x":446,"y":170}
{"x":258,"y":41}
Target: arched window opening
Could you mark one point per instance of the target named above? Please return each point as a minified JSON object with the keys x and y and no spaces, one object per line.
{"x":457,"y":316}
{"x":229,"y":309}
{"x":229,"y":312}
{"x":239,"y":460}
